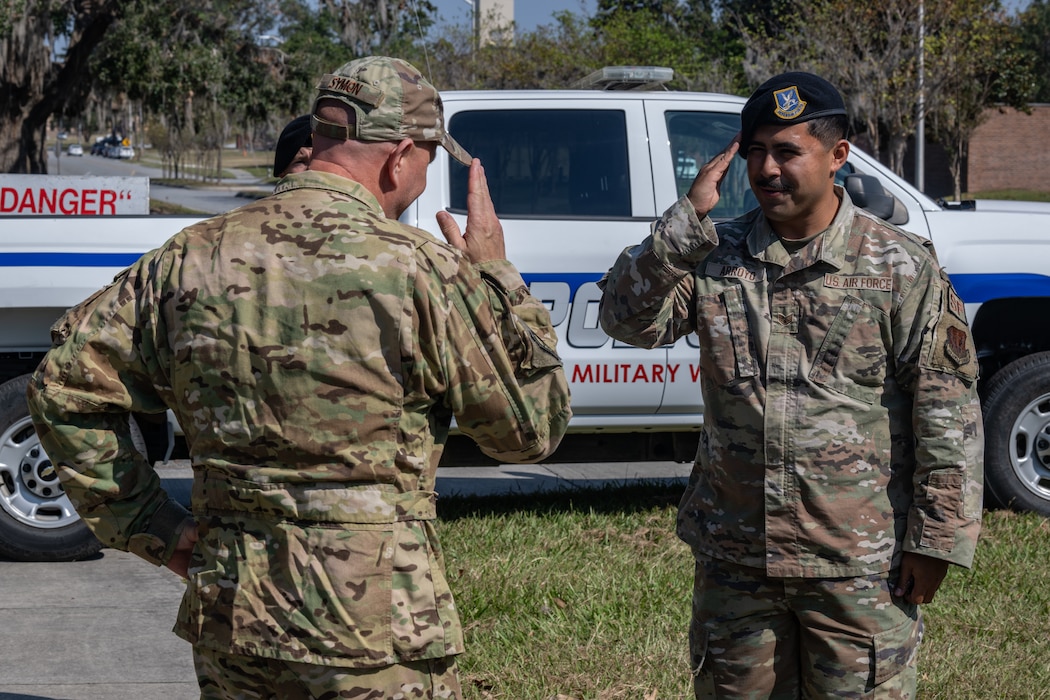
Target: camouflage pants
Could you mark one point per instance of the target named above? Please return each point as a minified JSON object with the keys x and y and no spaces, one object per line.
{"x":231,"y":677}
{"x":752,"y":636}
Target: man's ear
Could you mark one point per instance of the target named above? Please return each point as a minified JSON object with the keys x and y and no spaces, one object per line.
{"x":396,"y":161}
{"x":839,"y":154}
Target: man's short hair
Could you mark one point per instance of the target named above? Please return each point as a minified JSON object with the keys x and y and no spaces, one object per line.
{"x":829,"y":130}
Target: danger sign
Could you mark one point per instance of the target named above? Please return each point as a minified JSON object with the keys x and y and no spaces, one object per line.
{"x":56,"y":195}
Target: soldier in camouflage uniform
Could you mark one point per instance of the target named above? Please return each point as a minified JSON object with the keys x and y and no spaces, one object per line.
{"x":314,"y":350}
{"x":839,"y":470}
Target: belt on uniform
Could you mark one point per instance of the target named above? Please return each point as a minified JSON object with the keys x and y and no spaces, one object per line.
{"x":317,"y":502}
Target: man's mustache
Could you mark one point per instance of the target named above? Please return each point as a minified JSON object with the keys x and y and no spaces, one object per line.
{"x":773,"y":183}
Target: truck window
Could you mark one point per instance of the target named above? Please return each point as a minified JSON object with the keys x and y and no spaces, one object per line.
{"x":697,"y":137}
{"x":841,"y":173}
{"x":546,"y":163}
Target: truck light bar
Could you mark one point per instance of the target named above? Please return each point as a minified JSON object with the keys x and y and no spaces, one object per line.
{"x":627,"y":78}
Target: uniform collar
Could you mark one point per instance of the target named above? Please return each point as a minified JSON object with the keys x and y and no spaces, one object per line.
{"x":318,"y":180}
{"x":829,"y":246}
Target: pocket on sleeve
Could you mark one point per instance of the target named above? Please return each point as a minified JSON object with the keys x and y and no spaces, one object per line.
{"x":943,"y":509}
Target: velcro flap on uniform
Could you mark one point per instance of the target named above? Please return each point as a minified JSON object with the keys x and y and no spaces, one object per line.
{"x":944,"y":492}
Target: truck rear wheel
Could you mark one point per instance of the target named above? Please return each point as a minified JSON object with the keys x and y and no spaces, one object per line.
{"x":1017,"y":435}
{"x":37,"y":520}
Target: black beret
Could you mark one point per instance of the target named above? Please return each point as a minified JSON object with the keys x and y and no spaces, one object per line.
{"x":789,"y":98}
{"x":296,"y":134}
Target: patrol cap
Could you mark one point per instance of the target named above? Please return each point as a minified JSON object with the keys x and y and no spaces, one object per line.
{"x":392,"y":100}
{"x":296,"y":134}
{"x":786,"y":99}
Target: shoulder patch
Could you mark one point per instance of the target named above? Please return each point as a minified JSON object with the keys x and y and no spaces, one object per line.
{"x":950,"y":346}
{"x":955,"y":305}
{"x":955,"y":346}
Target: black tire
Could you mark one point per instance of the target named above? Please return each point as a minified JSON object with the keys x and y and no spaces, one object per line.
{"x":1017,"y":435}
{"x":37,"y":521}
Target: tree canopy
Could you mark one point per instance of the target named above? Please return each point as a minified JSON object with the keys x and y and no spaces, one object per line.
{"x":192,"y":76}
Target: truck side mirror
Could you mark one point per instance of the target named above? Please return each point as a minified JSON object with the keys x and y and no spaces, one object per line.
{"x":868,"y":193}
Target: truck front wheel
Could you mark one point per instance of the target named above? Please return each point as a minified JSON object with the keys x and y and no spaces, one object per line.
{"x":1017,"y":435}
{"x":37,"y":520}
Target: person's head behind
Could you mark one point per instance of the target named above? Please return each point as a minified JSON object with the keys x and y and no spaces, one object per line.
{"x":379,"y":121}
{"x":793,"y":136}
{"x":294,"y":147}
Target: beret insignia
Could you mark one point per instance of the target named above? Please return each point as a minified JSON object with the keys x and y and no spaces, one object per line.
{"x":789,"y":104}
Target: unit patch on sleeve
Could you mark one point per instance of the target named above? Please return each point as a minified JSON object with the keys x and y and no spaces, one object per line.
{"x":956,"y":306}
{"x":950,"y":347}
{"x":955,"y":346}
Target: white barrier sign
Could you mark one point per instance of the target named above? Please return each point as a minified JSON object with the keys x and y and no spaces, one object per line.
{"x":58,"y":195}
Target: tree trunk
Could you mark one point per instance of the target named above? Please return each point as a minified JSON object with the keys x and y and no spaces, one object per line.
{"x":898,"y":146}
{"x":958,"y":157}
{"x":32,"y":88}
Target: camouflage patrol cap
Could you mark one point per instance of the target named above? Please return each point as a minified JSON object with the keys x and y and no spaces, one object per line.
{"x":786,"y":99}
{"x":392,"y":100}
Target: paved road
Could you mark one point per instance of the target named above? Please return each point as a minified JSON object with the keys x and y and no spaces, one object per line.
{"x":101,"y":629}
{"x":207,"y":200}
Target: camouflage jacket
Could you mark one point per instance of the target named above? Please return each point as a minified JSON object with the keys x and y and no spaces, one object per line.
{"x":314,"y":352}
{"x":841,"y":423}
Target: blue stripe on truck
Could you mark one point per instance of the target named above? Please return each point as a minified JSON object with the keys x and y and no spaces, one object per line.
{"x":977,"y":289}
{"x":973,"y":288}
{"x":575,"y":280}
{"x":68,"y":259}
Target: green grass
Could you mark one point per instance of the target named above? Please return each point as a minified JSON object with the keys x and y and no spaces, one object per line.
{"x":1017,"y":195}
{"x":988,"y":628}
{"x":261,"y":171}
{"x":157,"y":206}
{"x":586,"y":596}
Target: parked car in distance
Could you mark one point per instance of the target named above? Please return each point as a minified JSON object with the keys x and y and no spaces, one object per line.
{"x":75,"y":149}
{"x":125,"y":152}
{"x":106,"y":146}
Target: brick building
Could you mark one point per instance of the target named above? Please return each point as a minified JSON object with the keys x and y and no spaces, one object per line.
{"x":1009,"y":151}
{"x":1006,"y":152}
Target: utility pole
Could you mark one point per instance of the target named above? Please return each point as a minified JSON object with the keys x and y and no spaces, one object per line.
{"x":920,"y":108}
{"x":490,"y":18}
{"x":477,"y":25}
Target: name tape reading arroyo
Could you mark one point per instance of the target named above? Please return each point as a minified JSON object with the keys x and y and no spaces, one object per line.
{"x":73,"y":195}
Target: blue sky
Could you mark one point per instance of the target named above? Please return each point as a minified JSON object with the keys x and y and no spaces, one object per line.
{"x":528,"y":14}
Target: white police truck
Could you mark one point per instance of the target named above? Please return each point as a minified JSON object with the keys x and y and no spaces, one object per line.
{"x":576,"y":176}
